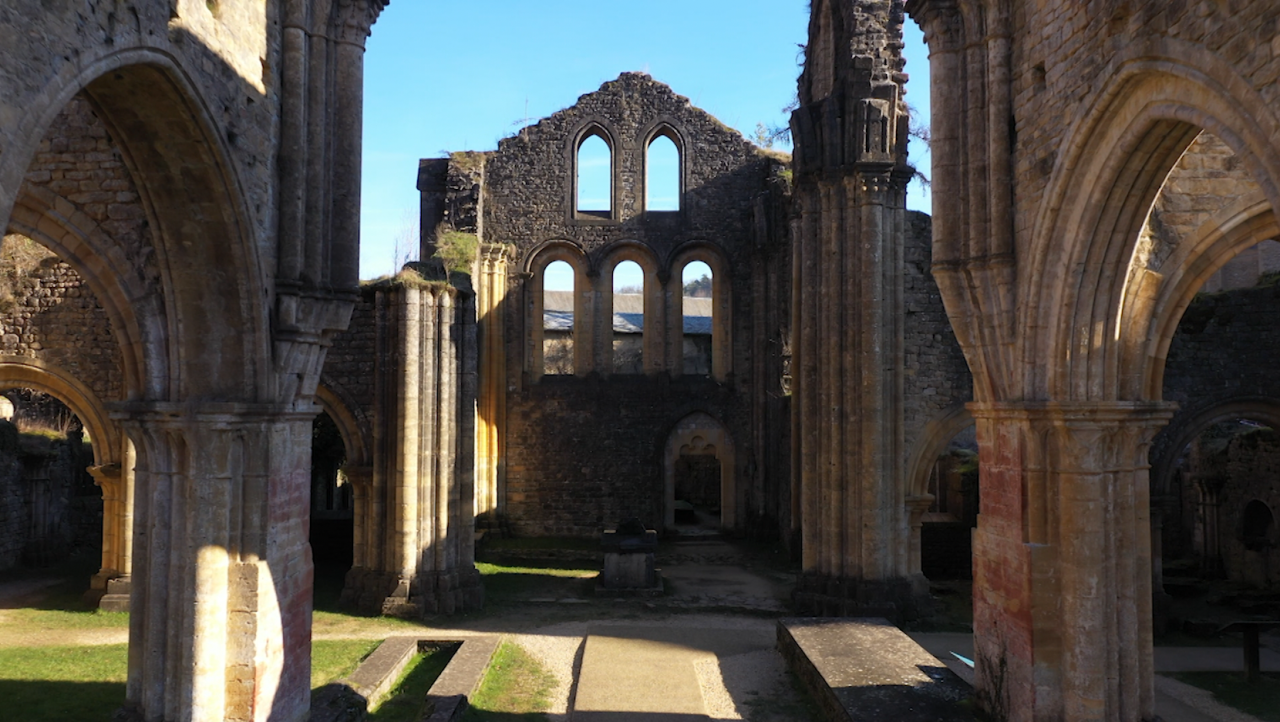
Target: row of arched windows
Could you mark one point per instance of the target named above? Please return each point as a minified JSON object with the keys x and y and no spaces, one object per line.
{"x":594,"y":172}
{"x":625,"y":319}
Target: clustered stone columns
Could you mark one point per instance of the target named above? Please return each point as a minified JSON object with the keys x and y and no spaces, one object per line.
{"x":109,"y":588}
{"x":221,"y":623}
{"x":415,"y":524}
{"x":1062,"y":560}
{"x":492,"y":267}
{"x":847,"y":353}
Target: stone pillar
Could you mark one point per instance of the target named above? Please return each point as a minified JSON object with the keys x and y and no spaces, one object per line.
{"x":491,"y":297}
{"x":850,"y":168}
{"x":109,"y":588}
{"x":917,"y":506}
{"x":1062,"y":560}
{"x":221,"y":606}
{"x":416,"y":538}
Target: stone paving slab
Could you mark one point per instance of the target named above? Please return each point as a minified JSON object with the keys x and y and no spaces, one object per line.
{"x":867,"y":669}
{"x":645,"y":673}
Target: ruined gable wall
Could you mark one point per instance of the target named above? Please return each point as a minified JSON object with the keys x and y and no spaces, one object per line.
{"x":581,"y":452}
{"x":1060,"y":54}
{"x":528,"y":191}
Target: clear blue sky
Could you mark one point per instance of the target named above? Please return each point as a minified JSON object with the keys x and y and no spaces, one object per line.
{"x":445,"y":76}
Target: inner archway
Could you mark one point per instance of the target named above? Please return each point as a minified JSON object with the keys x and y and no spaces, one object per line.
{"x":699,"y":489}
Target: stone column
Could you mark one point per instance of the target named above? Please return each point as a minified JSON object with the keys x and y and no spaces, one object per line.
{"x":221,"y":606}
{"x":109,"y":588}
{"x":847,"y":364}
{"x":491,"y":297}
{"x":1062,"y":560}
{"x":421,"y":503}
{"x":917,"y":506}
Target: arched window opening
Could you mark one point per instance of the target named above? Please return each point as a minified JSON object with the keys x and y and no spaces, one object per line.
{"x":697,"y":304}
{"x":628,"y":318}
{"x":557,"y":319}
{"x":947,"y":527}
{"x":662,"y":175}
{"x":595,"y":177}
{"x":1256,"y":529}
{"x":53,"y":509}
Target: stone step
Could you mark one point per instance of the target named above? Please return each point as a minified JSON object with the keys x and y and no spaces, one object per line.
{"x":867,"y":669}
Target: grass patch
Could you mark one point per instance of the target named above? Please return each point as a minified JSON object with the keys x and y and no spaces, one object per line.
{"x":516,"y":688}
{"x":1261,"y":700}
{"x":333,"y":659}
{"x":408,"y":697}
{"x":518,"y":581}
{"x":40,"y":684}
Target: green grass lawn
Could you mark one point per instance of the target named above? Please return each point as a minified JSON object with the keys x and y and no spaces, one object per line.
{"x":515,"y":689}
{"x":1262,"y":700}
{"x":59,"y":684}
{"x":510,"y":581}
{"x":408,"y":697}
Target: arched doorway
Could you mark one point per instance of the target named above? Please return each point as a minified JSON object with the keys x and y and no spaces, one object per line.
{"x":699,"y":489}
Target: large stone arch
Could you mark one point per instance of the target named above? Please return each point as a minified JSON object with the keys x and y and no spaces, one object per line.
{"x":701,"y":429}
{"x":23,"y":372}
{"x":1096,"y":307}
{"x":112,"y":471}
{"x":352,"y":423}
{"x":1189,"y":423}
{"x":133,"y":305}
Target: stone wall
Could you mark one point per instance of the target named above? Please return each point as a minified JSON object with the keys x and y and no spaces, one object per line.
{"x":582,"y":451}
{"x":48,"y":313}
{"x":937,"y":381}
{"x":1223,"y":353}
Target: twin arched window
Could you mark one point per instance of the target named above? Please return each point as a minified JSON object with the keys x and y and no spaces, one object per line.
{"x":594,"y":173}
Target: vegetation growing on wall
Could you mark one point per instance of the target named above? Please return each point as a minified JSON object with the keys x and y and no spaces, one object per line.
{"x":456,"y":249}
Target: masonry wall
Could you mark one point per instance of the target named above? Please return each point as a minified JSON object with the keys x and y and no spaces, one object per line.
{"x":349,"y":365}
{"x":1056,"y":72}
{"x":582,"y":452}
{"x":1224,"y":350}
{"x":937,"y":381}
{"x":48,"y":313}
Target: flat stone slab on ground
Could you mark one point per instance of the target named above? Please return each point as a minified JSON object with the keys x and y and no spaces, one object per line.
{"x":868,"y":669}
{"x":636,"y":672}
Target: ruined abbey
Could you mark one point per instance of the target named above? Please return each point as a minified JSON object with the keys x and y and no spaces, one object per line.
{"x":1091,"y":296}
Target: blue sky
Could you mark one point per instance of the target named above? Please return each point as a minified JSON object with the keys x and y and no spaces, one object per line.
{"x":446,"y":76}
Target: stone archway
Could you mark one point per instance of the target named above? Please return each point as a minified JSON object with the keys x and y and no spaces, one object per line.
{"x":702,"y":435}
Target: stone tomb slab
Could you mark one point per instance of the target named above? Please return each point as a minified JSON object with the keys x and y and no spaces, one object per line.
{"x":867,"y":669}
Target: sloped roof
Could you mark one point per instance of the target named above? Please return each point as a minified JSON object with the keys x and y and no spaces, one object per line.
{"x":628,"y":313}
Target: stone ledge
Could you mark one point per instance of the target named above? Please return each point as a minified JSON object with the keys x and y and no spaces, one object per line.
{"x":867,"y":668}
{"x":348,"y":699}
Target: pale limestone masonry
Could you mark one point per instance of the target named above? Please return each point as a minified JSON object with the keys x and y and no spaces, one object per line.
{"x":415,"y":509}
{"x":236,"y":123}
{"x":848,"y":444}
{"x":1055,"y":125}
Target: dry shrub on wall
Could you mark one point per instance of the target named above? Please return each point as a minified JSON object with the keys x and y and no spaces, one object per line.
{"x":19,"y":258}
